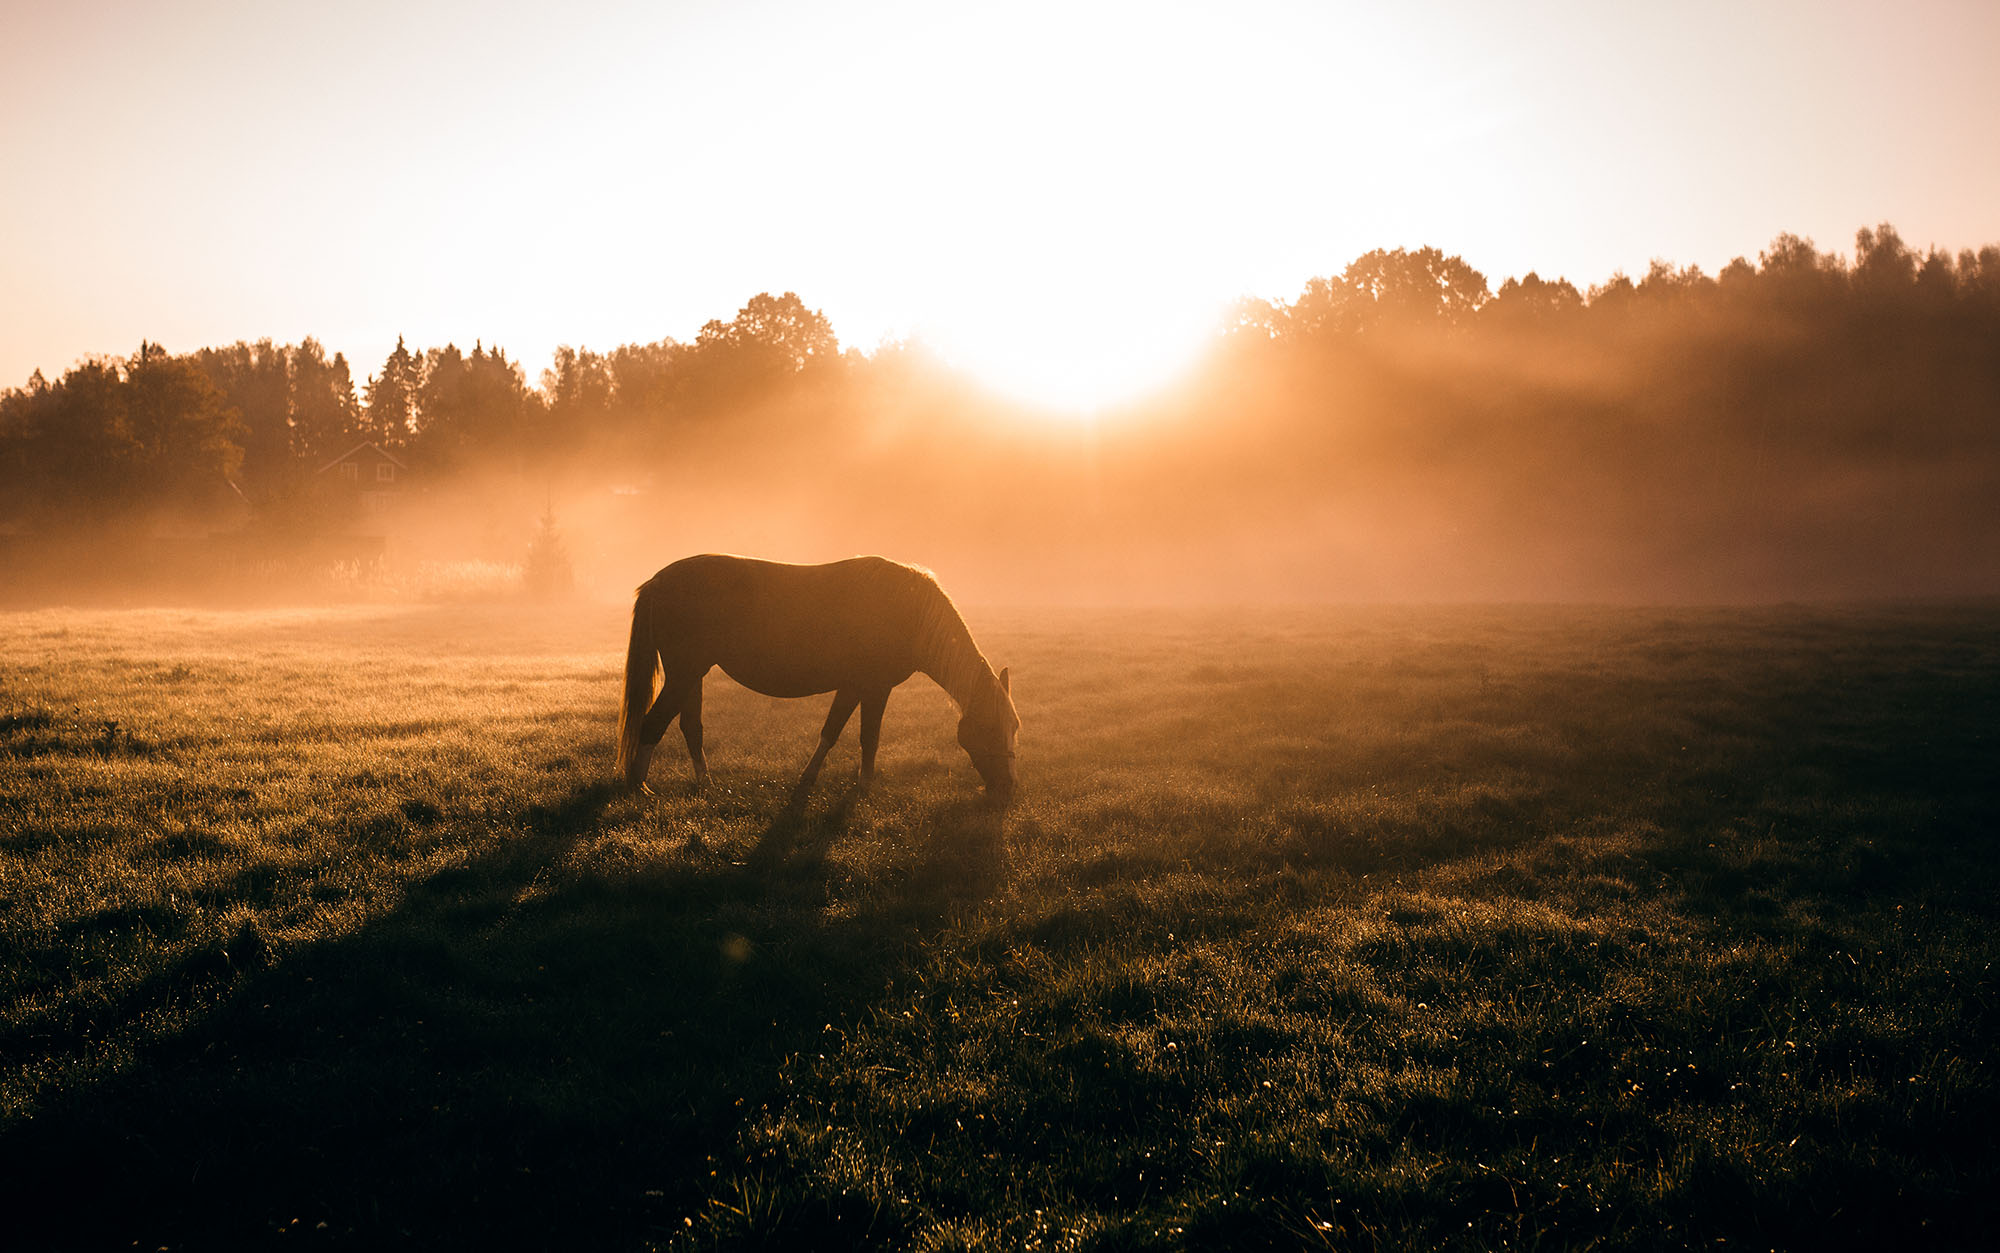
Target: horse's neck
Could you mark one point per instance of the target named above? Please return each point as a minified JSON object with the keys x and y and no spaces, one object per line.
{"x":948,"y":655}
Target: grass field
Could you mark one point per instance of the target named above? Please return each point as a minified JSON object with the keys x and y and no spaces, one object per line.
{"x":1344,"y":928}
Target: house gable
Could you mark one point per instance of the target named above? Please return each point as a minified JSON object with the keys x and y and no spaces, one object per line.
{"x":367,"y":466}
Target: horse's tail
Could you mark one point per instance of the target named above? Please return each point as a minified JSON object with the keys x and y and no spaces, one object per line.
{"x":642,"y":655}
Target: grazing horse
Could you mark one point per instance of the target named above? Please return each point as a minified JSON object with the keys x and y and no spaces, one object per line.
{"x":855,"y":628}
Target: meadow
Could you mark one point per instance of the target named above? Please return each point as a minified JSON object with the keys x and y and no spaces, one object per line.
{"x":1370,"y":927}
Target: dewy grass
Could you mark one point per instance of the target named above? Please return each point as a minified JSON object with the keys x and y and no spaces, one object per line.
{"x":1358,"y":928}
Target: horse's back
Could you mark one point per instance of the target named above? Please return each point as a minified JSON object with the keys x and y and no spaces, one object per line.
{"x":728,"y":569}
{"x":713,"y":585}
{"x":791,"y":630}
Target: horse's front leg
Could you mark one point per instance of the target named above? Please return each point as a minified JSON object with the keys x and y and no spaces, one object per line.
{"x":872,"y":706}
{"x":844,"y":702}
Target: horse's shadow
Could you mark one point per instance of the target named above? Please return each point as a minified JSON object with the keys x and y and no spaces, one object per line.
{"x":797,"y":840}
{"x":963,"y":856}
{"x":512,"y":1049}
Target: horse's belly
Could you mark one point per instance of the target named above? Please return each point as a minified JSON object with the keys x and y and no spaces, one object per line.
{"x":807,"y":677}
{"x":780,"y":680}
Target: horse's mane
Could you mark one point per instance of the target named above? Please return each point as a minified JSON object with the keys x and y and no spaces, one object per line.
{"x":945,"y":641}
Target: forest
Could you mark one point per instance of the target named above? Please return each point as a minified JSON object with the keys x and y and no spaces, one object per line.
{"x":1804,"y":426}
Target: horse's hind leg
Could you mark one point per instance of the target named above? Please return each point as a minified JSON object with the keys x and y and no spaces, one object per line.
{"x":691,"y":732}
{"x":872,"y":706}
{"x":844,"y":702}
{"x":666,"y":706}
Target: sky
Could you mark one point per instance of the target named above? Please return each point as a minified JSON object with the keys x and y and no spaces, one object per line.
{"x":1061,"y":198}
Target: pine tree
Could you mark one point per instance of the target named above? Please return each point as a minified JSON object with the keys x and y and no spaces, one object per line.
{"x":548,"y":574}
{"x":392,"y":398}
{"x":326,"y":419}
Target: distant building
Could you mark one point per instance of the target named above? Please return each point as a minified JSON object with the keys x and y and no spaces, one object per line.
{"x":374,"y":476}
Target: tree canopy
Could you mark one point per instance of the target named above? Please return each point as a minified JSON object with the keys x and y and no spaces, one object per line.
{"x":1895,"y":339}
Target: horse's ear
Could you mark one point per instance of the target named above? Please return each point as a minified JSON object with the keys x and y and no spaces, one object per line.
{"x":1003,"y":681}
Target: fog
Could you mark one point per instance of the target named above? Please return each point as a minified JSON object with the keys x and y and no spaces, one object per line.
{"x":1799,"y":430}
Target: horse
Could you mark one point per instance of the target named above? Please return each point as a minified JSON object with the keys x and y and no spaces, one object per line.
{"x":856,"y":628}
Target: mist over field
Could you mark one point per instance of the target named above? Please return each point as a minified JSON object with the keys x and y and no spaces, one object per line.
{"x":1803,"y":428}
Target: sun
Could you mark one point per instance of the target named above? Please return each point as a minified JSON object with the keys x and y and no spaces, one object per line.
{"x":1075,"y":361}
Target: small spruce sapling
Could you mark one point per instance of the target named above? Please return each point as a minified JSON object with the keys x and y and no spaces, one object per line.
{"x":548,"y":574}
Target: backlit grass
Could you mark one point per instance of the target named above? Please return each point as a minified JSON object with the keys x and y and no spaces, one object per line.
{"x":1424,"y":928}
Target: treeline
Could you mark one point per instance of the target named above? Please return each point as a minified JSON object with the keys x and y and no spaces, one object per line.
{"x":1804,"y":424}
{"x":124,"y":439}
{"x":1801,"y":426}
{"x":1424,"y":289}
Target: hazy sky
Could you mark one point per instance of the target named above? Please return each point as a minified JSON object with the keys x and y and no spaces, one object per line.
{"x":1059,"y":196}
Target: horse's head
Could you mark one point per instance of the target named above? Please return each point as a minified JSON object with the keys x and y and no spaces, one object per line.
{"x":986,"y":732}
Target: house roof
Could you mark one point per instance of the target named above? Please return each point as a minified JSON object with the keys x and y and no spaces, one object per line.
{"x":380,"y":451}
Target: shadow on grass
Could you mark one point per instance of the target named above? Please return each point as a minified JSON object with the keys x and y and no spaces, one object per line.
{"x":514,"y":1057}
{"x":796,"y":840}
{"x":964,"y":860}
